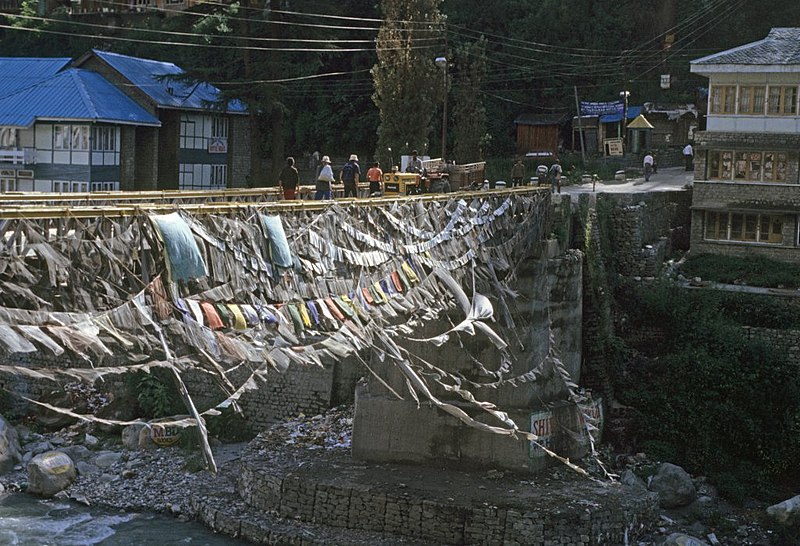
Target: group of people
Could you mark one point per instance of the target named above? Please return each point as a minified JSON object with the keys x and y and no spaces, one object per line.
{"x":542,"y":172}
{"x":649,"y":165}
{"x":349,"y":176}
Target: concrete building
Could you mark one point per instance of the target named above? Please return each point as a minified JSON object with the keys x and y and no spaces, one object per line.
{"x":747,"y":184}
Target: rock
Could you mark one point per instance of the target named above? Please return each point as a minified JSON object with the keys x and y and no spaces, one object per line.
{"x":38,"y":447}
{"x":49,"y":473}
{"x":673,"y":485}
{"x":128,"y":474}
{"x":107,"y":458}
{"x":630,"y":478}
{"x":130,"y":435}
{"x":681,"y":539}
{"x":86,"y":469}
{"x":786,"y":512}
{"x":77,"y":452}
{"x":9,"y":446}
{"x":90,"y":441}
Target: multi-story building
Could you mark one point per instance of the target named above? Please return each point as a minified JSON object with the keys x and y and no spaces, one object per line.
{"x":201,"y":143}
{"x":61,"y":128}
{"x":116,"y":122}
{"x":746,"y":198}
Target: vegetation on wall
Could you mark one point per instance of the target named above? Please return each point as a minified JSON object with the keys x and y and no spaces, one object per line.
{"x":705,"y":396}
{"x":749,"y":270}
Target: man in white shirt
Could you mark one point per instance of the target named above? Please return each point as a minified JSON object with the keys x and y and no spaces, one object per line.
{"x":647,"y":163}
{"x":688,"y":156}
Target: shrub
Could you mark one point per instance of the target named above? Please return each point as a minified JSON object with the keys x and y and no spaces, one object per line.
{"x":156,"y":394}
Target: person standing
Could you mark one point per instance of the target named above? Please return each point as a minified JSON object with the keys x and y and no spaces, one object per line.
{"x":288,"y":179}
{"x":517,"y":173}
{"x":324,"y":180}
{"x":375,"y":176}
{"x":555,"y":177}
{"x":350,"y":175}
{"x":688,"y":156}
{"x":647,"y":164}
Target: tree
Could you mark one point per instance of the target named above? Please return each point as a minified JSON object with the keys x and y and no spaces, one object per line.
{"x":408,"y":85}
{"x":469,"y":114}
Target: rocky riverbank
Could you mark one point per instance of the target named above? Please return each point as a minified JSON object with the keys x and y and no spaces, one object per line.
{"x":171,"y":480}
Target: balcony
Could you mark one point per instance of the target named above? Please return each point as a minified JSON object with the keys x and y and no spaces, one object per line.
{"x":25,"y":156}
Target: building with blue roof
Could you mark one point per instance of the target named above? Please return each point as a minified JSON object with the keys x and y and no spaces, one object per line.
{"x":203,"y":142}
{"x":747,"y":161}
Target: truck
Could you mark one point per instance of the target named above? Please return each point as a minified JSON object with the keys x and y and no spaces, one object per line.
{"x":443,"y":177}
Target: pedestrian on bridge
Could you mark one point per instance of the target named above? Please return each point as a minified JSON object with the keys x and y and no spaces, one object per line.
{"x":288,"y":179}
{"x":518,"y":173}
{"x":324,"y":180}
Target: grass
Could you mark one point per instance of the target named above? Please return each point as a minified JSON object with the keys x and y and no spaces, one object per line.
{"x":752,"y":271}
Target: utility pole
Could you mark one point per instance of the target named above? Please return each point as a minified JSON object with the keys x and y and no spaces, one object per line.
{"x":580,"y":127}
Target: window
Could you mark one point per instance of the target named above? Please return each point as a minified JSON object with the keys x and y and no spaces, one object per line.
{"x":774,"y":167}
{"x":185,"y":176}
{"x":219,"y":127}
{"x":104,"y":139}
{"x":189,"y":133}
{"x":105,"y":186}
{"x":219,"y":176}
{"x":8,"y":184}
{"x":721,"y":165}
{"x":782,"y":100}
{"x":8,"y":137}
{"x":723,"y":99}
{"x":751,"y":99}
{"x":70,"y":137}
{"x":747,"y":166}
{"x":751,"y":228}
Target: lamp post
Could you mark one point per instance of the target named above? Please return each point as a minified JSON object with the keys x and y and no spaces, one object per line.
{"x":624,"y":96}
{"x":441,"y":62}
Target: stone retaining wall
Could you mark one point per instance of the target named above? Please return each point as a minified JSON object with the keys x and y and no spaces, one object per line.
{"x":589,"y":514}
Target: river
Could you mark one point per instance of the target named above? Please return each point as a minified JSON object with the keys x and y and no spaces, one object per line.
{"x":29,"y":521}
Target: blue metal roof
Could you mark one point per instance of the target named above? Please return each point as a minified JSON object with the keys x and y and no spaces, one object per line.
{"x":148,"y":75}
{"x":20,"y":72}
{"x":72,"y":95}
{"x":633,"y":111}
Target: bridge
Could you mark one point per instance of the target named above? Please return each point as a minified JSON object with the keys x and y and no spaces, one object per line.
{"x":455,"y":307}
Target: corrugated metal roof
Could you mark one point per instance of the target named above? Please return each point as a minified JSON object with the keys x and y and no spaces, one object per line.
{"x":780,"y":47}
{"x":148,"y":75}
{"x":20,"y":72}
{"x":74,"y":94}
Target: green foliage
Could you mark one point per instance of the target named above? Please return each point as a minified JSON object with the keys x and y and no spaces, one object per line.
{"x":408,"y":86}
{"x":751,"y":270}
{"x":713,"y":401}
{"x":469,"y":114}
{"x":156,"y":394}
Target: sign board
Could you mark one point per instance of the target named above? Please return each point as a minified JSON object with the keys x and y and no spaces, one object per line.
{"x":218,"y":145}
{"x":571,"y":423}
{"x":601,"y":108}
{"x":665,"y":81}
{"x":613,"y":146}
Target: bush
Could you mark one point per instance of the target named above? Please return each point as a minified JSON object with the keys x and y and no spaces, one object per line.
{"x":752,"y":271}
{"x":712,"y":401}
{"x":156,"y":394}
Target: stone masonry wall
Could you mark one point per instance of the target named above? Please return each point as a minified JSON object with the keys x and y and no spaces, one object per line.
{"x":645,"y":228}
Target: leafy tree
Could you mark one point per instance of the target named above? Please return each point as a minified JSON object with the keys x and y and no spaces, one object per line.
{"x":408,"y":86}
{"x":469,"y":114}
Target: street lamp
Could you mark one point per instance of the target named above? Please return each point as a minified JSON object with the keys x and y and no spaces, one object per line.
{"x":624,"y":96}
{"x":441,"y":62}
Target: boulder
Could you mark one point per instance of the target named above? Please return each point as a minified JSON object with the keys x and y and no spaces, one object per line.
{"x":9,"y":446}
{"x":630,"y":479}
{"x":786,"y":512}
{"x":49,"y":473}
{"x":681,"y":539}
{"x":77,"y":452}
{"x":106,"y":459}
{"x":130,"y":435}
{"x":673,"y":485}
